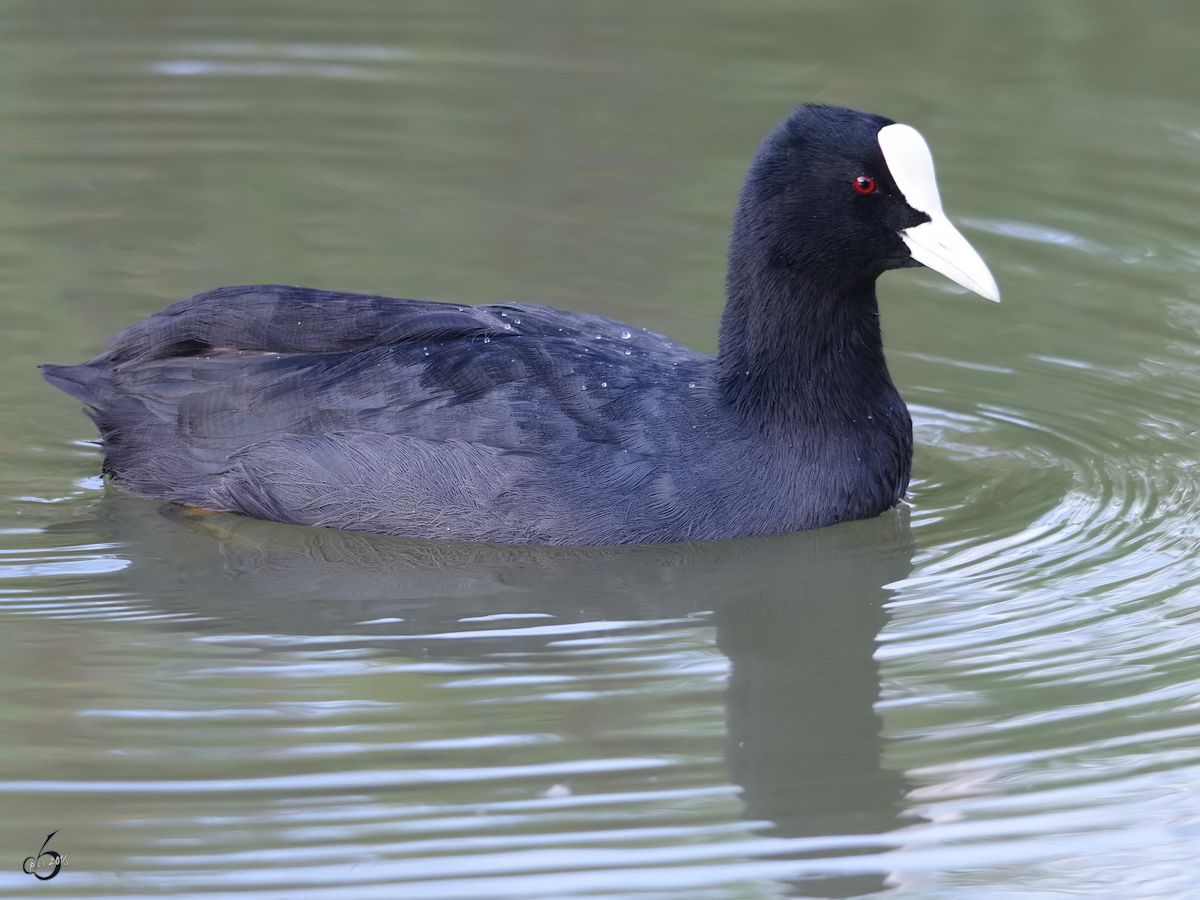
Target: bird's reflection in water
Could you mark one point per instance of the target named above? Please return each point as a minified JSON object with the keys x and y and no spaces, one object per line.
{"x":797,"y":615}
{"x":804,"y":739}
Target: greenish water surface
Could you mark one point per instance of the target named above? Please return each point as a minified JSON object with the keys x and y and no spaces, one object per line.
{"x":992,"y":692}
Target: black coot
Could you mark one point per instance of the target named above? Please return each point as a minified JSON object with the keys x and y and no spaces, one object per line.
{"x":527,"y":424}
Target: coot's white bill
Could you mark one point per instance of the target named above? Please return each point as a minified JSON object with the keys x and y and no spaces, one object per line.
{"x":936,"y":243}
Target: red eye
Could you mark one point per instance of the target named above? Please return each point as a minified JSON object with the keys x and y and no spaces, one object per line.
{"x":864,"y":185}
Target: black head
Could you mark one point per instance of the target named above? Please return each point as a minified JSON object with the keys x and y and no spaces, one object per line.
{"x":822,"y":201}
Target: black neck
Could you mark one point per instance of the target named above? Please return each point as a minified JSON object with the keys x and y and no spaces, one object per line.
{"x":794,"y":352}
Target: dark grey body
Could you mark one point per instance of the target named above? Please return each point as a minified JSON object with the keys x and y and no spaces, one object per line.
{"x":521,"y":423}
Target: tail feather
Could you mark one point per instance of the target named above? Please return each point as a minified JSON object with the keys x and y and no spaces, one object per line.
{"x":142,"y":451}
{"x":81,"y":382}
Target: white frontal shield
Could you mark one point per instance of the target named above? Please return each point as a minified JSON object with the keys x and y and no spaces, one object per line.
{"x":935,"y":243}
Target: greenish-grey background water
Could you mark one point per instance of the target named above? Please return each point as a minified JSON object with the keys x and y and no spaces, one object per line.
{"x":992,"y":693}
